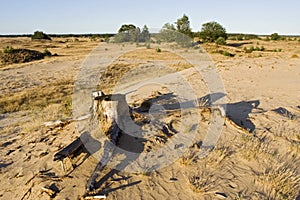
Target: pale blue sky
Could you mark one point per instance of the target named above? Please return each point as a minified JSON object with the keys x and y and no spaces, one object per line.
{"x":106,"y":16}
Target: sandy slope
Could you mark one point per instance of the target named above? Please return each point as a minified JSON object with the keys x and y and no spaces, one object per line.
{"x":260,"y":164}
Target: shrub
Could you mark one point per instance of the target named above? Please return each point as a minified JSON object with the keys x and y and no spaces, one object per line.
{"x":8,"y":49}
{"x":148,"y":46}
{"x":240,"y":37}
{"x":226,"y":53}
{"x":221,"y":41}
{"x":158,"y":49}
{"x":39,"y":35}
{"x":275,"y":36}
{"x":106,"y":39}
{"x":252,"y":48}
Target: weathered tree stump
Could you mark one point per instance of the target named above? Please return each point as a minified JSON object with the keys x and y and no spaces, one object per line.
{"x":106,"y":110}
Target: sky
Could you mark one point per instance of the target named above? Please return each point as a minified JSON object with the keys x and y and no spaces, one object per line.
{"x":106,"y":16}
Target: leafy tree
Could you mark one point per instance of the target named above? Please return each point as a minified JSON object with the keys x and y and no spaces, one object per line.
{"x":181,"y":34}
{"x":275,"y":36}
{"x":131,"y":33}
{"x":39,"y":35}
{"x":211,"y":31}
{"x":169,"y":26}
{"x":127,"y":28}
{"x":145,"y":35}
{"x":183,"y":25}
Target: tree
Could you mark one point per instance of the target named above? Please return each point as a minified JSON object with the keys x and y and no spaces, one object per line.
{"x":275,"y":36}
{"x":145,"y":35}
{"x":211,"y":31}
{"x":183,"y":25}
{"x":131,"y":33}
{"x":127,"y":28}
{"x":169,"y":26}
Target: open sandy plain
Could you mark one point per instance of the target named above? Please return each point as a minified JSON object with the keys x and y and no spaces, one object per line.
{"x":256,"y":157}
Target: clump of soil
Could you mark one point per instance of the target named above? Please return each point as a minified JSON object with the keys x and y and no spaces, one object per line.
{"x":20,"y":56}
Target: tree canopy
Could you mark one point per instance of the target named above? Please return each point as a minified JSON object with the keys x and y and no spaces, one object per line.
{"x":131,"y":33}
{"x":211,"y":31}
{"x":183,"y":25}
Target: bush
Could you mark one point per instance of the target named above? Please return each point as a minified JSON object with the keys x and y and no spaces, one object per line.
{"x":221,"y":41}
{"x":8,"y":49}
{"x":106,"y":39}
{"x":275,"y":36}
{"x":167,"y":35}
{"x":39,"y":35}
{"x":158,"y":49}
{"x":251,"y":49}
{"x":240,"y":37}
{"x":226,"y":53}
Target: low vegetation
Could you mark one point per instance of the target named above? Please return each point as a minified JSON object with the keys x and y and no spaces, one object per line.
{"x":252,"y":48}
{"x":11,"y":55}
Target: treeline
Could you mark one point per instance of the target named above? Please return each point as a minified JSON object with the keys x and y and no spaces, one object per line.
{"x":87,"y":35}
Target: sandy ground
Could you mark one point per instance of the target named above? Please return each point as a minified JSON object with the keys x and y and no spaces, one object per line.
{"x":256,"y":157}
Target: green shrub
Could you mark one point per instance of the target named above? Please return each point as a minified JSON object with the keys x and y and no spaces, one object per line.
{"x":226,"y":53}
{"x":252,"y":48}
{"x":240,"y":37}
{"x":158,"y":49}
{"x":275,"y":36}
{"x":106,"y":39}
{"x":39,"y":35}
{"x":8,"y":49}
{"x":148,"y":46}
{"x":221,"y":41}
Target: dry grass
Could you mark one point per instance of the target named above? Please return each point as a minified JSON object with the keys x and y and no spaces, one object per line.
{"x":38,"y":98}
{"x":281,"y":179}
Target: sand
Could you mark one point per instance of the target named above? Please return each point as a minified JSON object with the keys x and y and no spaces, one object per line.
{"x":256,"y":157}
